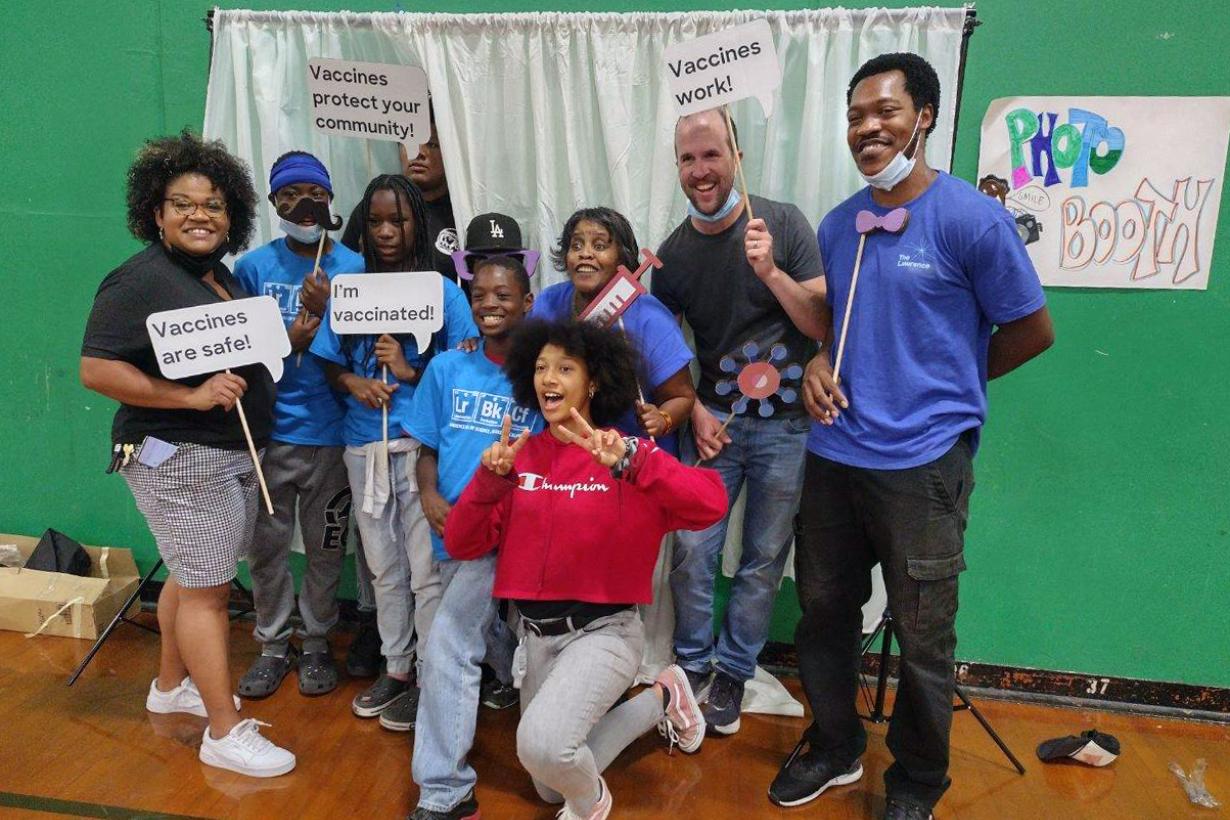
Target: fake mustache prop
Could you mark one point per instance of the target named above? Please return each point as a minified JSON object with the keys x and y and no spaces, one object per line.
{"x":308,"y":208}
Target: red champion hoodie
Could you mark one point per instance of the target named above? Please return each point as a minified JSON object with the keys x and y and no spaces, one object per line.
{"x":568,"y":531}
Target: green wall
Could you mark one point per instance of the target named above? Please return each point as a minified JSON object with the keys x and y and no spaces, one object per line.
{"x":1100,"y":529}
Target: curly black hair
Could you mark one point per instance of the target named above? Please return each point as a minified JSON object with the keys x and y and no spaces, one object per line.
{"x":161,"y":160}
{"x":608,"y":356}
{"x":921,"y":81}
{"x":509,"y":263}
{"x":615,"y":223}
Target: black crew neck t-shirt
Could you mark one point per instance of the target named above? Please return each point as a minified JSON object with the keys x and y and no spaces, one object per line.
{"x":150,"y":282}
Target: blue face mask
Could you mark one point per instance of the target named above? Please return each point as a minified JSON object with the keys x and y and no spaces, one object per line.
{"x":726,"y":210}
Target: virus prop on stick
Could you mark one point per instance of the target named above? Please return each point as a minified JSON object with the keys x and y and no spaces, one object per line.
{"x":758,"y":379}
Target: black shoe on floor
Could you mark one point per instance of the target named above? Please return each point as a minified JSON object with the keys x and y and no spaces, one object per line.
{"x":465,"y":810}
{"x":379,"y":696}
{"x":266,"y":674}
{"x":806,"y":776}
{"x":400,"y":715}
{"x":363,"y":659}
{"x":725,"y":701}
{"x":898,"y":809}
{"x":317,"y":673}
{"x":499,"y":695}
{"x":700,"y":683}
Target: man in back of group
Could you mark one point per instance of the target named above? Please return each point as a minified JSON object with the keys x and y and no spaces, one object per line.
{"x":890,"y":465}
{"x":752,"y":290}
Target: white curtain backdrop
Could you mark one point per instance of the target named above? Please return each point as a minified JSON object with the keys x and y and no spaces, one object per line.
{"x":540,"y":114}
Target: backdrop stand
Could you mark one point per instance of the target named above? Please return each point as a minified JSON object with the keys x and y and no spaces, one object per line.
{"x":236,"y":611}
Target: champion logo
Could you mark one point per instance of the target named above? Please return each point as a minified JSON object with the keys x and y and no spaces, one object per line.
{"x":532,"y":482}
{"x":496,"y":231}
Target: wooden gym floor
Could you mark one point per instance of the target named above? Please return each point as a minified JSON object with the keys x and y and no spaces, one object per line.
{"x":93,"y":751}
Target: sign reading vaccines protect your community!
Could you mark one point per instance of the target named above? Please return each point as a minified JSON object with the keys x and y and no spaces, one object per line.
{"x":212,"y":338}
{"x":377,"y":101}
{"x":724,"y":67}
{"x":393,"y":303}
{"x":1110,"y":192}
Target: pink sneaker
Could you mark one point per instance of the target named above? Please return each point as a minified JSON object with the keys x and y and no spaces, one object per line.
{"x":600,"y":811}
{"x":683,"y":725}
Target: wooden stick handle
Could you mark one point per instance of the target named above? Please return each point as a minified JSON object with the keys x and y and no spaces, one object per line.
{"x":734,"y":142}
{"x":384,"y":414}
{"x":320,"y":249}
{"x":721,"y":430}
{"x":639,"y":394}
{"x":845,"y":320}
{"x":256,"y":462}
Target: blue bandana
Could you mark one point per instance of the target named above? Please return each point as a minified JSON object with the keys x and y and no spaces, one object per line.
{"x":296,"y":168}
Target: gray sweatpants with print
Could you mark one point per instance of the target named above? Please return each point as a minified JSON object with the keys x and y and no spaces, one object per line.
{"x":568,"y":733}
{"x":311,"y":481}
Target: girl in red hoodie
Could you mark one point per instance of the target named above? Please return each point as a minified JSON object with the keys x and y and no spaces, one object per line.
{"x":577,"y":513}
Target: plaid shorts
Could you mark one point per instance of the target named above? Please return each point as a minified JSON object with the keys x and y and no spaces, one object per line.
{"x":200,"y":505}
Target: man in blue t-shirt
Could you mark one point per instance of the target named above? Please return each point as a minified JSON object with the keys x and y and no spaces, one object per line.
{"x":946,"y":299}
{"x":303,"y":462}
{"x":457,"y":412}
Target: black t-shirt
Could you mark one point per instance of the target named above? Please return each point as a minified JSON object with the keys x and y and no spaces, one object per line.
{"x":151,"y":282}
{"x":441,"y":232}
{"x":708,"y":280}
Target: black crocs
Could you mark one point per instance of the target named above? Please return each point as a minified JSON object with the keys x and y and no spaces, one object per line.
{"x":317,"y":673}
{"x":265,"y":675}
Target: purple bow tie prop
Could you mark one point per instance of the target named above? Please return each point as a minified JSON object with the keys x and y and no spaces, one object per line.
{"x":894,"y":221}
{"x":865,"y":222}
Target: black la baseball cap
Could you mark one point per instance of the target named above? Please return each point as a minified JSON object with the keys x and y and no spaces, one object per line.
{"x":1092,"y":748}
{"x":493,"y":232}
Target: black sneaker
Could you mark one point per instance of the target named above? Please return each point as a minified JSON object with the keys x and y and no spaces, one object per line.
{"x":721,"y":709}
{"x":700,"y":683}
{"x":465,"y":810}
{"x":377,"y":697}
{"x":265,"y":675}
{"x":399,"y":716}
{"x":363,"y":659}
{"x":898,"y":809}
{"x":804,"y":777}
{"x":499,"y":695}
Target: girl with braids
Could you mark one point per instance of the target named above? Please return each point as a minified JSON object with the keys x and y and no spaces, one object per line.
{"x":396,"y":539}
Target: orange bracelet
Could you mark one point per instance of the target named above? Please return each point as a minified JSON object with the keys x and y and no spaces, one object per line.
{"x":667,"y":422}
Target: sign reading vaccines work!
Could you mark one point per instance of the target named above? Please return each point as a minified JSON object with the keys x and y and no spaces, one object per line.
{"x":213,"y":338}
{"x":377,"y":101}
{"x":393,"y":303}
{"x":1103,"y":193}
{"x":722,"y":68}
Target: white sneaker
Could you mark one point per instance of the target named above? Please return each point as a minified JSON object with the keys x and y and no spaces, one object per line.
{"x":246,"y":751}
{"x":183,"y":698}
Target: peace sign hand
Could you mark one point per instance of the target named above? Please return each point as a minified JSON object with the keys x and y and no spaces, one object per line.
{"x":499,"y":457}
{"x":606,"y":446}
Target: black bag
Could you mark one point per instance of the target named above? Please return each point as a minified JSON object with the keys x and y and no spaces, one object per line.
{"x":56,"y":552}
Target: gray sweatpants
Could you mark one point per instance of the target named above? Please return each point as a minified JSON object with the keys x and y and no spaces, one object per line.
{"x":312,"y":481}
{"x":568,"y":733}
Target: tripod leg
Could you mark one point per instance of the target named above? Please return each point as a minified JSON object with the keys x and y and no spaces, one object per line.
{"x":886,"y":648}
{"x":119,"y":616}
{"x":994,"y":736}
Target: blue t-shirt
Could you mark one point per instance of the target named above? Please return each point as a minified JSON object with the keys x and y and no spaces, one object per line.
{"x":358,"y":354}
{"x":458,"y":410}
{"x":654,"y":332}
{"x":307,"y":410}
{"x":915,"y":362}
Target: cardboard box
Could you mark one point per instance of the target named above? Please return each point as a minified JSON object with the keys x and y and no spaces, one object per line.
{"x":30,"y":597}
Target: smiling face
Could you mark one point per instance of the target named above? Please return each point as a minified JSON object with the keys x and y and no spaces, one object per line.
{"x":592,"y":258}
{"x":880,"y":121}
{"x":497,"y":300}
{"x":390,"y":228}
{"x":202,"y":231}
{"x":705,"y":160}
{"x":561,"y":382}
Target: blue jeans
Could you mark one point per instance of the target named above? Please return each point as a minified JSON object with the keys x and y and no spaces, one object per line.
{"x":466,"y":628}
{"x":767,"y":455}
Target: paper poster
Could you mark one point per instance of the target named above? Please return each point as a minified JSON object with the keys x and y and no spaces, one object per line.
{"x":1110,"y":192}
{"x":378,"y":101}
{"x":212,"y":338}
{"x":725,"y":67}
{"x":394,"y":303}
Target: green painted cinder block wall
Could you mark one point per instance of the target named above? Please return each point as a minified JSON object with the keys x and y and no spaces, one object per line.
{"x":1100,"y":527}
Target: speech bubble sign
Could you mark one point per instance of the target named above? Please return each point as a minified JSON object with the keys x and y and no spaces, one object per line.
{"x":394,"y":303}
{"x":725,"y":67}
{"x":379,"y":101}
{"x":213,"y":338}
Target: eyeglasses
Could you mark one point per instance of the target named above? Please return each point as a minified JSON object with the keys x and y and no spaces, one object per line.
{"x":214,"y":208}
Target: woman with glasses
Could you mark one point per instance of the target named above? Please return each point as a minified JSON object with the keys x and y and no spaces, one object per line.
{"x":179,"y":444}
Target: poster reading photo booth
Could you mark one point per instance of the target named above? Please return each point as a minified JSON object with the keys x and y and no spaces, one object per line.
{"x":1102,"y":193}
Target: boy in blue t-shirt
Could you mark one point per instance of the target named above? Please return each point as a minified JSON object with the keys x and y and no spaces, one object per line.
{"x":393,"y":530}
{"x":457,"y":413}
{"x":303,"y":462}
